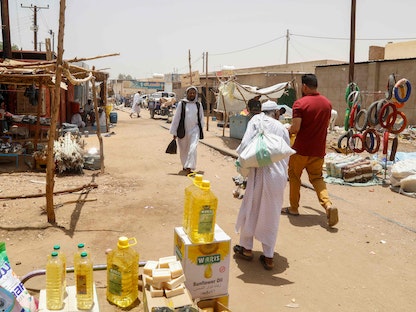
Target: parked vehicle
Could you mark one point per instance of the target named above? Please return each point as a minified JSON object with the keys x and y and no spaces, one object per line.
{"x":162,"y":103}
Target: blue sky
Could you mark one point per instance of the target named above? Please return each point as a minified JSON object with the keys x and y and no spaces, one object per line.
{"x":155,"y":36}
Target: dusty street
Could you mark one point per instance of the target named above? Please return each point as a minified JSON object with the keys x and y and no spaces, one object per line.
{"x":366,"y":263}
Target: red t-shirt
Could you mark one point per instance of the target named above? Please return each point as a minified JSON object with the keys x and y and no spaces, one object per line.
{"x":315,"y":112}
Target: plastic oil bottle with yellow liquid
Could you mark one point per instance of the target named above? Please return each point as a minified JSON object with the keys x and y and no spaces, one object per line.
{"x":123,"y":273}
{"x":203,"y":204}
{"x":196,"y":182}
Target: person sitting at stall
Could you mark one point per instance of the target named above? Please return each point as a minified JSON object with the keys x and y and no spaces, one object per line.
{"x":102,"y":117}
{"x":77,"y":119}
{"x":4,"y":127}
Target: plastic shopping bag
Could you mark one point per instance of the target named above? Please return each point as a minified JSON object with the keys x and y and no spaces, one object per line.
{"x":10,"y":282}
{"x":263,"y":150}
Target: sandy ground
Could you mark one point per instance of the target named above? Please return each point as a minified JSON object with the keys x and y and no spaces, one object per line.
{"x":366,"y":263}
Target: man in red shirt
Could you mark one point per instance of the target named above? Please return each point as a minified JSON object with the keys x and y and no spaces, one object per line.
{"x":310,"y":120}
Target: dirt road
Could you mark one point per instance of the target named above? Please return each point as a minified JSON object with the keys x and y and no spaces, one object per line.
{"x":366,"y":263}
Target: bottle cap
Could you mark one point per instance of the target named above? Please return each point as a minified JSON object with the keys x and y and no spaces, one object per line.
{"x":56,"y":247}
{"x":206,"y":185}
{"x":123,"y":242}
{"x":81,"y":245}
{"x":84,"y":254}
{"x":54,"y":254}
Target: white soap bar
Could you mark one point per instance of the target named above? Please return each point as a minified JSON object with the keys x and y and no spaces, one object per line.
{"x":175,"y":268}
{"x":176,"y":291}
{"x":163,"y":262}
{"x":148,"y":280}
{"x":161,"y":275}
{"x":154,"y":292}
{"x":175,"y":282}
{"x":149,"y":266}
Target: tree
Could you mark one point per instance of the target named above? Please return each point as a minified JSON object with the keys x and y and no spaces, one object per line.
{"x":14,"y":47}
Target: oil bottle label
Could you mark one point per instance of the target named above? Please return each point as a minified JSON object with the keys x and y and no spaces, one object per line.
{"x":115,"y":281}
{"x":206,"y":218}
{"x":81,"y":284}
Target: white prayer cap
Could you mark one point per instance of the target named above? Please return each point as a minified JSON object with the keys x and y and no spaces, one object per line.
{"x":269,"y":105}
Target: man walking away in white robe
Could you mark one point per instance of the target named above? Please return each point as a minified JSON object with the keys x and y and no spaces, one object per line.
{"x":260,"y":209}
{"x":135,"y":108}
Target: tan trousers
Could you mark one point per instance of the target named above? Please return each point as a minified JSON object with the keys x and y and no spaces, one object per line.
{"x":313,"y":166}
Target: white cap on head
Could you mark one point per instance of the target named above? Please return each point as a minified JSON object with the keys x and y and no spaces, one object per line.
{"x":268,"y":106}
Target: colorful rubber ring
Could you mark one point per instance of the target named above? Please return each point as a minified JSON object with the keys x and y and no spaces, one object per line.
{"x":373,"y":137}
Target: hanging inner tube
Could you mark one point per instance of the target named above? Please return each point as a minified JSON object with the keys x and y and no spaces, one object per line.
{"x":390,"y":85}
{"x":401,"y":126}
{"x":399,"y":90}
{"x":387,"y":118}
{"x":361,"y":119}
{"x":371,"y":141}
{"x":355,"y":141}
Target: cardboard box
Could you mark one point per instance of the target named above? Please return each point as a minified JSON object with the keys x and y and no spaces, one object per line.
{"x":219,"y":304}
{"x":70,"y":301}
{"x":173,"y":302}
{"x":206,"y":266}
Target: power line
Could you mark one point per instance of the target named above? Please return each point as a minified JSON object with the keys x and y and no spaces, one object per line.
{"x":338,"y":38}
{"x":245,"y":49}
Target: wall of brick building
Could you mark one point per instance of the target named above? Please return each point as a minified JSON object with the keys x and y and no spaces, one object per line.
{"x":371,"y":78}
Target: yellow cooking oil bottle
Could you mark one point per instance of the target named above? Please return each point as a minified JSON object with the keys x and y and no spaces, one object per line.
{"x":62,"y":256}
{"x":196,"y":182}
{"x":77,"y":254}
{"x":202,"y":214}
{"x":123,"y":273}
{"x":83,"y":269}
{"x":54,"y":282}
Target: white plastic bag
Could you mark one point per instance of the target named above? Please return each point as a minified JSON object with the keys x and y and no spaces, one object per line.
{"x":10,"y":282}
{"x":265,"y":148}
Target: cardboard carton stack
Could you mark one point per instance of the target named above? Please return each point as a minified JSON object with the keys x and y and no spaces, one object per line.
{"x":206,"y":266}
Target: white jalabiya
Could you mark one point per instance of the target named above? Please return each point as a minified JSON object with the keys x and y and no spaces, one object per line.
{"x":260,"y":209}
{"x":189,"y":143}
{"x":135,"y":107}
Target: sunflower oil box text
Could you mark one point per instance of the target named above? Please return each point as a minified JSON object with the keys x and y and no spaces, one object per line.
{"x":206,"y":266}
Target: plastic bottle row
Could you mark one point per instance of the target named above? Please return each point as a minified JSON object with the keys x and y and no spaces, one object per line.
{"x":56,"y":279}
{"x":122,"y":276}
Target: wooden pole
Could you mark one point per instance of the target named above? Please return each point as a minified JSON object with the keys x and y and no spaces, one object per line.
{"x":50,"y":164}
{"x":190,"y":67}
{"x":206,"y":90}
{"x":97,"y":121}
{"x":352,"y":42}
{"x":37,"y":129}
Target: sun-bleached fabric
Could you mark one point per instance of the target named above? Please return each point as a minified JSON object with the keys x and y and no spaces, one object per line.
{"x":260,"y":210}
{"x":189,"y":143}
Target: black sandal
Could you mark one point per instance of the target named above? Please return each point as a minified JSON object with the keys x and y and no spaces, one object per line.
{"x":266,"y":262}
{"x":243,"y":253}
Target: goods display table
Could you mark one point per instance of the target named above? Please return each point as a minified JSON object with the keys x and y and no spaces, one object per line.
{"x":16,"y":156}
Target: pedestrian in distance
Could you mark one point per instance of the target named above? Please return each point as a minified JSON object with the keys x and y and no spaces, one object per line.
{"x":135,"y":107}
{"x":187,"y":125}
{"x":310,"y":120}
{"x":260,"y":210}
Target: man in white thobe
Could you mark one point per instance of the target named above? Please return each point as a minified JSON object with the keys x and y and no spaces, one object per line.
{"x":260,"y":209}
{"x":135,"y":107}
{"x":194,"y":123}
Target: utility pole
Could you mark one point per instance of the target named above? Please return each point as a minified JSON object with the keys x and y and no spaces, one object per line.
{"x":35,"y":22}
{"x":53,"y":39}
{"x":190,"y":67}
{"x":352,"y":42}
{"x":5,"y":28}
{"x":287,"y":46}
